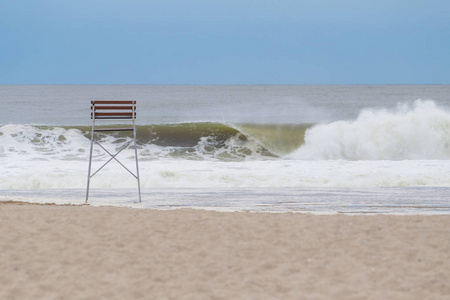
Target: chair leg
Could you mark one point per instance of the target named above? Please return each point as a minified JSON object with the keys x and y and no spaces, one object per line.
{"x":137,"y":165}
{"x":113,"y":157}
{"x":90,"y":164}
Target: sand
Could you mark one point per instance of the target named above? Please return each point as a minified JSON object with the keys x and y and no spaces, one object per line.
{"x":84,"y":252}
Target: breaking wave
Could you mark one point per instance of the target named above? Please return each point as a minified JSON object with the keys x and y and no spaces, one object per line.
{"x":212,"y":141}
{"x":408,"y":146}
{"x":410,"y":132}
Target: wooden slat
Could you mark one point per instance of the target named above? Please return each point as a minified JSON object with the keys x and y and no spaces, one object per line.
{"x":113,"y":114}
{"x":113,"y":109}
{"x":113,"y":118}
{"x":118,"y":107}
{"x":95,"y":102}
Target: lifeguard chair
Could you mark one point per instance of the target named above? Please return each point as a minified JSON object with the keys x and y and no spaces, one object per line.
{"x":123,"y":110}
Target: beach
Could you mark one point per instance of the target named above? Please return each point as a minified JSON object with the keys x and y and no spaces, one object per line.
{"x":85,"y":252}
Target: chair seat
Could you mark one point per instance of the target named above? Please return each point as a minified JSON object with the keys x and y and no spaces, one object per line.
{"x":113,"y":129}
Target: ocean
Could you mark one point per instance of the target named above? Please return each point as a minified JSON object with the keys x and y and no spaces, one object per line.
{"x":297,"y":148}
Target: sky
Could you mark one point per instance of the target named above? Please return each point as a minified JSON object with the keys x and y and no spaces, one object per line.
{"x":224,"y":42}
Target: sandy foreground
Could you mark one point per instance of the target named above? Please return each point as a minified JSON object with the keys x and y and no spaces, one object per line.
{"x":83,"y":252}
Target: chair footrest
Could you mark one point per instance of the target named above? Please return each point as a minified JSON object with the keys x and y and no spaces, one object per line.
{"x":113,"y":129}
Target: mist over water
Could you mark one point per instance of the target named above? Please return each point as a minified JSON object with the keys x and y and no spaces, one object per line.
{"x":266,"y":104}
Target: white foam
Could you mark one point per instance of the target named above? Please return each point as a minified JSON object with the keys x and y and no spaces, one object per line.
{"x":209,"y":174}
{"x":420,"y":131}
{"x":42,"y":142}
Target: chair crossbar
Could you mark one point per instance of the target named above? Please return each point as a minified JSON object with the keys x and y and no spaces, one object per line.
{"x":113,"y":156}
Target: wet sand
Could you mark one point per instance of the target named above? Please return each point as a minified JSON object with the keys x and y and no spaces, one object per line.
{"x":84,"y":252}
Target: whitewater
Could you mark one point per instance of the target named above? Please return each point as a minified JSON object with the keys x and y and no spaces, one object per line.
{"x":258,"y":148}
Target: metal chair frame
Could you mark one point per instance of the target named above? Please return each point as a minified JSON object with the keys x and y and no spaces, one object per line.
{"x":113,"y":110}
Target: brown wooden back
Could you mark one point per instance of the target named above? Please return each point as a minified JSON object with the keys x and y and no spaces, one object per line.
{"x":113,"y":109}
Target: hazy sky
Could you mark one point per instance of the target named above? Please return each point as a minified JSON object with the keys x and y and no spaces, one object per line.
{"x":224,"y":42}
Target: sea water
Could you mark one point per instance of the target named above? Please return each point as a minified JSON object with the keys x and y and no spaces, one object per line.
{"x":351,"y":149}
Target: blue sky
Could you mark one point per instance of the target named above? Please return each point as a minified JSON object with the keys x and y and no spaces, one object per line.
{"x":225,"y":42}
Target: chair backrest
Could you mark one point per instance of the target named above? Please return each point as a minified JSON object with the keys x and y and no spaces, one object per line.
{"x":113,"y":109}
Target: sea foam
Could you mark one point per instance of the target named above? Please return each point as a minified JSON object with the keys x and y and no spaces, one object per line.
{"x":417,"y":131}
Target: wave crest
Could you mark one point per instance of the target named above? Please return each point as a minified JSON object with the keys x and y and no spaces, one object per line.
{"x":417,"y":131}
{"x":197,"y":141}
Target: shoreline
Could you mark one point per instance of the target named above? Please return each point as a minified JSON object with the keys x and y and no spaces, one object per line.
{"x":83,"y":252}
{"x":211,"y":209}
{"x":320,"y":201}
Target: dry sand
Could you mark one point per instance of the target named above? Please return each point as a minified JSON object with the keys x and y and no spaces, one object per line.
{"x":83,"y":252}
